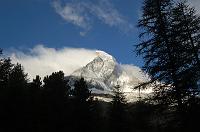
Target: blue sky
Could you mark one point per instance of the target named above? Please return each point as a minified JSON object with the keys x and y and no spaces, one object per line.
{"x":49,"y":35}
{"x":26,"y":23}
{"x":108,"y":25}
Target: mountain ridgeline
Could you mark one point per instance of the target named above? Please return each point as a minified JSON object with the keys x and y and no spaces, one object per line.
{"x":103,"y":73}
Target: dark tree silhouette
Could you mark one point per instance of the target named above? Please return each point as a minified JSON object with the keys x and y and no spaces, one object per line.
{"x":81,"y":91}
{"x":35,"y":104}
{"x":82,"y":105}
{"x":5,"y":68}
{"x":170,"y":48}
{"x":16,"y":100}
{"x":156,"y":46}
{"x":37,"y":83}
{"x":55,"y":90}
{"x":17,"y":78}
{"x":168,"y":59}
{"x":186,"y":30}
{"x":56,"y":86}
{"x":118,"y":114}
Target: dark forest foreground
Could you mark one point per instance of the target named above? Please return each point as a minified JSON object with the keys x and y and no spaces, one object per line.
{"x":52,"y":105}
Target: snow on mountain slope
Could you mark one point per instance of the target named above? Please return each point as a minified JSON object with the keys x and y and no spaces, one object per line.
{"x":103,"y":73}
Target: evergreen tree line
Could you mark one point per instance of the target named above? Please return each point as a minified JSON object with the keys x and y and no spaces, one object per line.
{"x":52,"y":104}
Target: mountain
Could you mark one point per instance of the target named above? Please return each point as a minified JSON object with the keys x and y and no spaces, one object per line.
{"x":103,"y":73}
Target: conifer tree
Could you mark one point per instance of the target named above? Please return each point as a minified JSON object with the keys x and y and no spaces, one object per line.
{"x":82,"y":106}
{"x":170,"y":46}
{"x":17,"y":98}
{"x":17,"y":81}
{"x":5,"y":69}
{"x":118,"y":97}
{"x":55,"y":92}
{"x":37,"y":82}
{"x":81,"y":91}
{"x":35,"y":104}
{"x":118,"y":114}
{"x":55,"y":86}
{"x":159,"y":49}
{"x":186,"y":30}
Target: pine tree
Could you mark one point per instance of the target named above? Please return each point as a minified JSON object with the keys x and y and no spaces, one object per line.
{"x":37,"y":82}
{"x":55,"y":94}
{"x":160,"y":50}
{"x":17,"y":81}
{"x":170,"y":47}
{"x":186,"y":29}
{"x":155,"y":46}
{"x":118,"y":114}
{"x":55,"y":86}
{"x":35,"y":104}
{"x":118,"y":98}
{"x":81,"y":91}
{"x":82,"y":106}
{"x":5,"y":69}
{"x":17,"y":98}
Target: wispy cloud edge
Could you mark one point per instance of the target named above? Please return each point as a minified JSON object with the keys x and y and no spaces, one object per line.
{"x":82,"y":14}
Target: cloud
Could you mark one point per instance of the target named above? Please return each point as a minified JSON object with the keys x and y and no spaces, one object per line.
{"x":82,"y":14}
{"x":72,"y":13}
{"x":43,"y":61}
{"x":134,"y":71}
{"x":106,"y":12}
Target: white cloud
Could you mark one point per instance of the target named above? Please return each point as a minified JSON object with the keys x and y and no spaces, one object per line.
{"x":43,"y":61}
{"x":108,"y":14}
{"x":72,"y":13}
{"x":134,"y":71}
{"x":82,"y":14}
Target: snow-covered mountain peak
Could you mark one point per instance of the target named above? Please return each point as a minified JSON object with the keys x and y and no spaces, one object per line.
{"x":103,"y":55}
{"x":101,"y":67}
{"x":103,"y":73}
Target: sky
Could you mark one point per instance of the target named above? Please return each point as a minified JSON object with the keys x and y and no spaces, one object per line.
{"x":57,"y":26}
{"x":108,"y":25}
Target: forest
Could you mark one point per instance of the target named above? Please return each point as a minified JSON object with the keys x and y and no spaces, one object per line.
{"x":170,"y":47}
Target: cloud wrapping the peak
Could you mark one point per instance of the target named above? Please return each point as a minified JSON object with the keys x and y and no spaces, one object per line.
{"x":83,"y":13}
{"x":134,"y":71}
{"x":43,"y":61}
